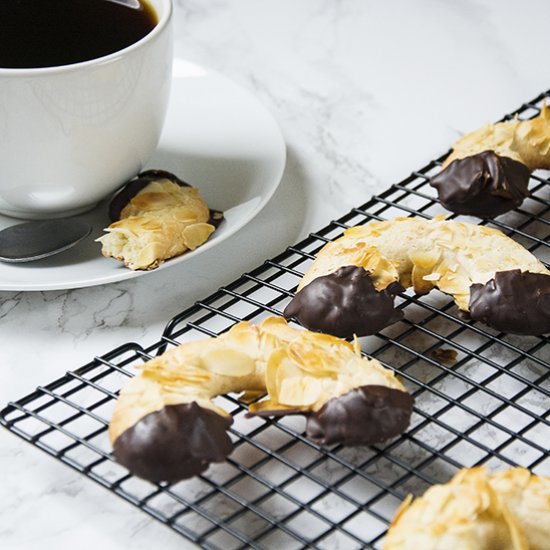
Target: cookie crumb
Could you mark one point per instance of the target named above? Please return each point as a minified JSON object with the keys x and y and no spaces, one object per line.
{"x":445,"y":355}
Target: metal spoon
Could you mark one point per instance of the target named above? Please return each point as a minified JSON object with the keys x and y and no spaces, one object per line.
{"x":26,"y":242}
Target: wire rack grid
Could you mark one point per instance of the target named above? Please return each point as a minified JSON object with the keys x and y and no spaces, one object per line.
{"x":480,"y":399}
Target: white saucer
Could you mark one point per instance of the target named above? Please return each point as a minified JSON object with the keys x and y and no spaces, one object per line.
{"x":217,"y":137}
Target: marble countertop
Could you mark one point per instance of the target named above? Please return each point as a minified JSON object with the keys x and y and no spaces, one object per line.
{"x":364,"y":92}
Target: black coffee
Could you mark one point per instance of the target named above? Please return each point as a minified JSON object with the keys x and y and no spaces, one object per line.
{"x":47,"y":33}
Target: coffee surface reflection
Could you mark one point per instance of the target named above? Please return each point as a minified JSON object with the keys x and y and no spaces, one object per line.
{"x":49,"y":33}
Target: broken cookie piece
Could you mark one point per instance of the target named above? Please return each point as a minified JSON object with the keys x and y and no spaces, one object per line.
{"x":156,"y":217}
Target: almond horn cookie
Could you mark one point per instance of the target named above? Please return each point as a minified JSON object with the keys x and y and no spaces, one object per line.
{"x":349,"y":288}
{"x":156,"y":217}
{"x":488,"y":171}
{"x":166,"y":427}
{"x":509,"y":510}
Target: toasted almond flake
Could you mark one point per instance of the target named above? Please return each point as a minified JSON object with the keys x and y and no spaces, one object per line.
{"x":228,"y":362}
{"x":296,"y":392}
{"x":249,"y":397}
{"x":197,"y":234}
{"x":272,"y":369}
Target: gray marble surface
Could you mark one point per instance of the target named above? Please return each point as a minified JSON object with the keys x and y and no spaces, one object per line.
{"x":364,"y":92}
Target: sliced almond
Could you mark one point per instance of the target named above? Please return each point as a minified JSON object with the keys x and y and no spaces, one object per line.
{"x":425,"y":259}
{"x":147,"y":257}
{"x":300,"y":392}
{"x":196,"y":234}
{"x":420,"y":284}
{"x":309,"y":359}
{"x":228,"y":362}
{"x":272,"y":369}
{"x":270,"y":405}
{"x":287,"y":370}
{"x":432,"y":277}
{"x":249,"y":397}
{"x":454,"y":284}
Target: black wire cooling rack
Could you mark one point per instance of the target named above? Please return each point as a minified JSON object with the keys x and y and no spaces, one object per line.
{"x":481,"y":398}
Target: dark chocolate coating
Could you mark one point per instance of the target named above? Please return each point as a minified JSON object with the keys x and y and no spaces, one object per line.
{"x":345,"y":303}
{"x":513,"y":301}
{"x":363,"y":416}
{"x":133,"y":187}
{"x":176,"y":442}
{"x":483,"y":185}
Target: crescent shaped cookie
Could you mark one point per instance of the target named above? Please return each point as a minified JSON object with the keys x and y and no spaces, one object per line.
{"x":509,"y":510}
{"x":166,"y":427}
{"x":488,"y":170}
{"x":157,"y":217}
{"x":349,"y":288}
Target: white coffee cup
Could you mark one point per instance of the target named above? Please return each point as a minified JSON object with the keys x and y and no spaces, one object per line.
{"x":71,"y":135}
